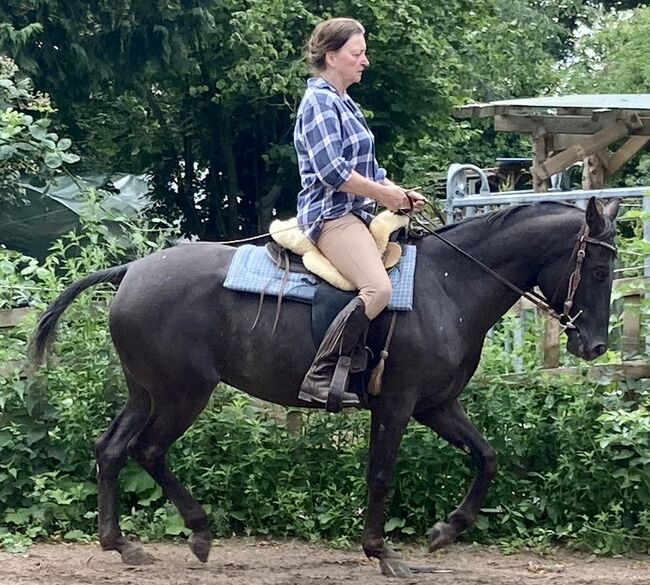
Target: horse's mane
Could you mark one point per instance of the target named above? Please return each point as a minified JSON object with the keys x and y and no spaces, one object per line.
{"x":501,"y":217}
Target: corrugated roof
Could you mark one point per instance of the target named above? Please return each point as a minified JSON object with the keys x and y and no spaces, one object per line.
{"x":617,"y":101}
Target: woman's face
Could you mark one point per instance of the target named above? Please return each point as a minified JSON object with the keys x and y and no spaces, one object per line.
{"x":349,"y":62}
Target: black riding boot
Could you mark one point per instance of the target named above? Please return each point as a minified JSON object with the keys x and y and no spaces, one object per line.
{"x":327,"y":378}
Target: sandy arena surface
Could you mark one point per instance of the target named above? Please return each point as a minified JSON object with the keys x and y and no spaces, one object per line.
{"x":256,"y":562}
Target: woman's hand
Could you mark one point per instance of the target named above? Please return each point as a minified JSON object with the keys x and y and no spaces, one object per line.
{"x":394,"y":197}
{"x":417,"y":199}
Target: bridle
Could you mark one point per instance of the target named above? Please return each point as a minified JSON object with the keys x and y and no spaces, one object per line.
{"x":579,"y":252}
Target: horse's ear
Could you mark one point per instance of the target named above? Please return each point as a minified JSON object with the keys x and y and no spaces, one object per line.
{"x":594,"y":216}
{"x":611,"y":209}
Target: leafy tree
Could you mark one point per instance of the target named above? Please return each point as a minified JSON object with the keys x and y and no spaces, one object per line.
{"x":202,"y":93}
{"x":28,"y":149}
{"x":613,"y":56}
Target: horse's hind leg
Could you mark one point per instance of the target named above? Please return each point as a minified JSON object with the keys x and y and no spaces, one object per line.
{"x":452,"y":424}
{"x":111,"y":454}
{"x":172,"y":415}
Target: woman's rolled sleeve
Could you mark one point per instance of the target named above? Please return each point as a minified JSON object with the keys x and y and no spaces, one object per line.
{"x":322,"y":136}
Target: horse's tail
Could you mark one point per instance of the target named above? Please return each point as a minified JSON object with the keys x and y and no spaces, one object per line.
{"x":46,"y":326}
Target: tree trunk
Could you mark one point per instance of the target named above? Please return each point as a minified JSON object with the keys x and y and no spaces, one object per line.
{"x":266,"y":202}
{"x":232,"y":183}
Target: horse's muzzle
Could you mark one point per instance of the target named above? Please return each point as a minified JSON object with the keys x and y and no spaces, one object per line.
{"x":588,"y":351}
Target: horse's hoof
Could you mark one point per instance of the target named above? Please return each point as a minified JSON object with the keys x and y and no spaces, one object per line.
{"x":394,"y":567}
{"x":133,"y":554}
{"x":200,"y":543}
{"x":441,"y":535}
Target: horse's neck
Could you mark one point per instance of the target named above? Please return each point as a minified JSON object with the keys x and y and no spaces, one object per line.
{"x":516,"y":250}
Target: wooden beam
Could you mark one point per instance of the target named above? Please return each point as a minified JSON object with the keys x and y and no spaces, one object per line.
{"x":626,"y":152}
{"x":11,"y":317}
{"x":551,"y":343}
{"x":636,"y":284}
{"x":474,"y":111}
{"x":594,"y":170}
{"x":564,"y":141}
{"x":590,"y":145}
{"x":563,"y":124}
{"x":631,"y":339}
{"x":540,"y":152}
{"x":627,"y":370}
{"x":8,"y":368}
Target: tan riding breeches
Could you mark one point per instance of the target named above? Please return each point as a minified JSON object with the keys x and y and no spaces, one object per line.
{"x":348,"y":244}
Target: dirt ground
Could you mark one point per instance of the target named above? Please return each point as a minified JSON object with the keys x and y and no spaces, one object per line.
{"x":254,"y":562}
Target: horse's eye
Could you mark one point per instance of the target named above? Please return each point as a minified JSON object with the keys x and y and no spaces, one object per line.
{"x":600,"y":273}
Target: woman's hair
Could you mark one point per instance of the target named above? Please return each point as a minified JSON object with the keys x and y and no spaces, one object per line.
{"x":328,"y":37}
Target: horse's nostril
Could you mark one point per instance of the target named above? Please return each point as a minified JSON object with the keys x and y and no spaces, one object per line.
{"x":600,"y":349}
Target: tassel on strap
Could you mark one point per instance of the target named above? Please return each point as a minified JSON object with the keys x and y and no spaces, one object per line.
{"x":374,"y":386}
{"x":375,"y":383}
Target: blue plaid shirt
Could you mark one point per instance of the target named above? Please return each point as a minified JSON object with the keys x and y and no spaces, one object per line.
{"x":332,"y":139}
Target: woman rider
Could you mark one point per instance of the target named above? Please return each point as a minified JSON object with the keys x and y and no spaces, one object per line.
{"x":341,"y":184}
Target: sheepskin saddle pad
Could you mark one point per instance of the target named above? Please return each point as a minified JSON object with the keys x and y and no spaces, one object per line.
{"x":274,"y":271}
{"x":288,"y":236}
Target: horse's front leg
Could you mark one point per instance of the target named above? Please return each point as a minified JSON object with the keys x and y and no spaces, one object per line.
{"x":388,"y":423}
{"x":452,"y":424}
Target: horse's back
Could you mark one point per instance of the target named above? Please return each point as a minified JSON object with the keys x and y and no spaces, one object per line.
{"x":173,"y":322}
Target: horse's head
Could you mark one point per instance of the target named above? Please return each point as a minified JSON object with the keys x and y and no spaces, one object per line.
{"x":585,"y":281}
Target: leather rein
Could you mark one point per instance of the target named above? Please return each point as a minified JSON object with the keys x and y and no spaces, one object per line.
{"x":579,"y":252}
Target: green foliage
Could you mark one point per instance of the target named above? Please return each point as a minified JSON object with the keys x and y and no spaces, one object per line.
{"x":612,"y":56}
{"x":28,"y":149}
{"x":202,"y":95}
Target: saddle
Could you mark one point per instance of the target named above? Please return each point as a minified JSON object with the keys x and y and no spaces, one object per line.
{"x":293,"y":250}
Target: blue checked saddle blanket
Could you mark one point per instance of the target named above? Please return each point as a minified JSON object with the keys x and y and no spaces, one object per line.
{"x":253,"y":270}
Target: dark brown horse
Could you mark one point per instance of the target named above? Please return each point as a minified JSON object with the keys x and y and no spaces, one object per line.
{"x":178,"y":332}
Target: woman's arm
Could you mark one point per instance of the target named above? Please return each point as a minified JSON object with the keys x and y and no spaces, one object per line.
{"x":387,"y":193}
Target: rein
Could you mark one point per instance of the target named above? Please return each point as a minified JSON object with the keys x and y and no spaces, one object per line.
{"x":565,"y":320}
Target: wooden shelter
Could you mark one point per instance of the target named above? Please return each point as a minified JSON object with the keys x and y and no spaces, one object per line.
{"x":603,"y":131}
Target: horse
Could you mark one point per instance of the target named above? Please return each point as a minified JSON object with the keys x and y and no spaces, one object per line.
{"x":178,"y":332}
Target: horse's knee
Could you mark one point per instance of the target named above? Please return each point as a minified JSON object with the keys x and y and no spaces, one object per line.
{"x":110,"y":458}
{"x":379,"y":481}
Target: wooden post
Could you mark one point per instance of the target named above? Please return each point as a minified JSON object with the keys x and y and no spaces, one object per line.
{"x":631,"y":342}
{"x":540,"y":152}
{"x":594,"y":171}
{"x":294,"y":422}
{"x":11,"y":317}
{"x":551,"y":343}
